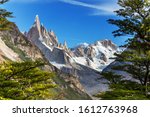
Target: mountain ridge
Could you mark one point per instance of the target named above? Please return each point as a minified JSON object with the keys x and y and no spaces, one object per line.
{"x":50,"y":46}
{"x":67,"y":60}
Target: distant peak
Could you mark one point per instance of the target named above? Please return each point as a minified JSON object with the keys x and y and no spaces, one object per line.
{"x":83,"y":44}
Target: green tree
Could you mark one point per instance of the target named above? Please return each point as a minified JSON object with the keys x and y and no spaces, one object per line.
{"x":25,"y":80}
{"x":4,"y":14}
{"x":135,"y":22}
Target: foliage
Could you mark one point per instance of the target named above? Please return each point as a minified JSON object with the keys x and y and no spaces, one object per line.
{"x":4,"y":14}
{"x":24,"y":80}
{"x":125,"y":90}
{"x":135,"y":22}
{"x":135,"y":19}
{"x":121,"y":89}
{"x":112,"y":77}
{"x":139,"y":66}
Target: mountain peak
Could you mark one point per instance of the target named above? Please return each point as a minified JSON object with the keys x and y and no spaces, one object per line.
{"x":39,"y":33}
{"x":37,"y":19}
{"x":106,"y":43}
{"x":37,"y":22}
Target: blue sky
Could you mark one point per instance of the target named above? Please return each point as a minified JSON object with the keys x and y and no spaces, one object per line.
{"x":76,"y":21}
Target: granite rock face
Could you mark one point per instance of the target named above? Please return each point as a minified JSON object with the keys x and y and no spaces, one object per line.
{"x":39,"y":32}
{"x":47,"y":42}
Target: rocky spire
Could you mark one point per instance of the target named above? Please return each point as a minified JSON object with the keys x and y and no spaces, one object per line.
{"x":37,"y":20}
{"x":52,"y":33}
{"x":65,"y":45}
{"x":38,"y":25}
{"x":39,"y":32}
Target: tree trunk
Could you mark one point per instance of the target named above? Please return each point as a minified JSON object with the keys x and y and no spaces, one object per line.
{"x":146,"y":78}
{"x":146,"y":75}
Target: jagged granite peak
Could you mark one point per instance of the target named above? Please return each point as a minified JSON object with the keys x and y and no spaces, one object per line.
{"x":47,"y":42}
{"x":25,"y":33}
{"x":65,"y":45}
{"x":39,"y":32}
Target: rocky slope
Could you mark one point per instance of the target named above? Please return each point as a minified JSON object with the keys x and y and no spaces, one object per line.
{"x":6,"y":52}
{"x":15,"y":46}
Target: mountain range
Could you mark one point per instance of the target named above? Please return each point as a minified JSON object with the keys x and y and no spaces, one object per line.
{"x":78,"y":68}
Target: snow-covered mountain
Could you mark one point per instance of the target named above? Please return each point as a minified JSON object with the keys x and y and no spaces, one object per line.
{"x":97,"y":55}
{"x":84,"y":61}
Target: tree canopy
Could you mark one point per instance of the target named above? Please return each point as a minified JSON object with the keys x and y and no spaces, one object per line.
{"x":134,"y":21}
{"x":24,"y":80}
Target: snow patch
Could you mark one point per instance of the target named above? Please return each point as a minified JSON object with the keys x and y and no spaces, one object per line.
{"x":47,"y":46}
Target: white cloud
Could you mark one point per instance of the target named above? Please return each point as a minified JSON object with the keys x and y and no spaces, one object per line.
{"x":106,"y":8}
